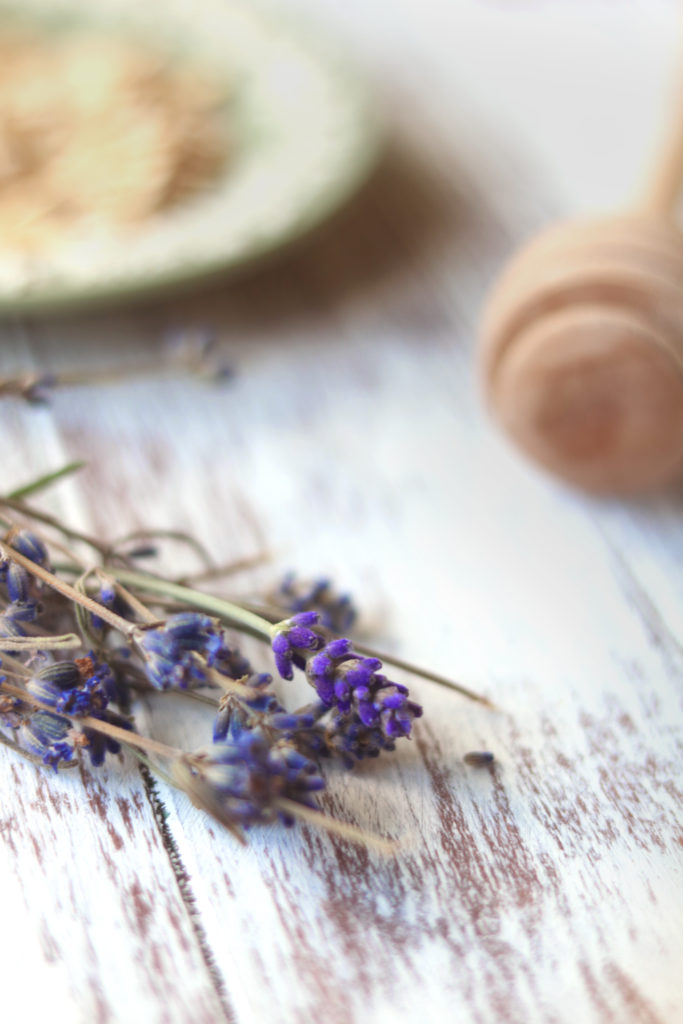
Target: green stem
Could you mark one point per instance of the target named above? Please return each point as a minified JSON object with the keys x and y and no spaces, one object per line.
{"x":272,"y":614}
{"x":247,"y":620}
{"x":48,"y":520}
{"x":232,"y":614}
{"x":47,"y":480}
{"x":432,"y":677}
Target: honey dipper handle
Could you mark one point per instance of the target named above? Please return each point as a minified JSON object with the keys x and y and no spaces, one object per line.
{"x":661,"y":193}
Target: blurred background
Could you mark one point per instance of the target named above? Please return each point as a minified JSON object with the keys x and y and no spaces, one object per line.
{"x":338,"y":187}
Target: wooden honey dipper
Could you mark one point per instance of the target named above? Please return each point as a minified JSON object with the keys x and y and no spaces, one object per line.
{"x":581,"y":349}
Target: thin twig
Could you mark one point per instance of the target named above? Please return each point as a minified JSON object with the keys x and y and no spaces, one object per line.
{"x":45,"y":481}
{"x":125,"y":736}
{"x":232,"y":614}
{"x":34,"y":386}
{"x":340,"y":828}
{"x":66,"y":590}
{"x":228,"y":569}
{"x":21,"y":644}
{"x":43,"y":517}
{"x":177,"y":535}
{"x":273,"y":614}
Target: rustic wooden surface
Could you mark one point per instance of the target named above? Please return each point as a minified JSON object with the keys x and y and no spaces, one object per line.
{"x":547,"y":888}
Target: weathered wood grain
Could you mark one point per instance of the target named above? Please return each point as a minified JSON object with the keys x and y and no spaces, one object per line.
{"x":546,"y":888}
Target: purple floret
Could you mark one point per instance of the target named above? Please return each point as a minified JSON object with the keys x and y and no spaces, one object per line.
{"x":170,"y":652}
{"x":246,"y":776}
{"x":293,"y":641}
{"x":353,"y":685}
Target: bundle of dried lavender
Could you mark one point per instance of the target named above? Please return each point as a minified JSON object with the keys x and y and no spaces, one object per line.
{"x":264,"y":761}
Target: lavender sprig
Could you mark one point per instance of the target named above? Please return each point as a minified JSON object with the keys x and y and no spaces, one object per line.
{"x":337,"y":612}
{"x":264,"y":762}
{"x":345,"y":681}
{"x":247,"y":777}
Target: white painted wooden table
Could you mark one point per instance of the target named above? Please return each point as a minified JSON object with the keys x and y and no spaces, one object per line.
{"x":547,"y":889}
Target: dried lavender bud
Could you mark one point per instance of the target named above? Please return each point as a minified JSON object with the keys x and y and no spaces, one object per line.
{"x":347,"y":738}
{"x":143,"y":551}
{"x":31,"y":547}
{"x":99,"y":745}
{"x":479,"y":758}
{"x":12,"y":710}
{"x":54,"y":739}
{"x":63,"y":675}
{"x":169,"y":651}
{"x":336,"y":611}
{"x":225,"y":657}
{"x":16,"y":578}
{"x":18,"y":581}
{"x":240,"y":782}
{"x":14,"y":615}
{"x":235,"y":714}
{"x":83,"y":687}
{"x":39,"y":391}
{"x":49,"y":737}
{"x":110,"y":598}
{"x":294,"y":640}
{"x":353,"y":685}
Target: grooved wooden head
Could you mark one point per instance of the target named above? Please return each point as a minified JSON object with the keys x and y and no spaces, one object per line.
{"x":581,"y":353}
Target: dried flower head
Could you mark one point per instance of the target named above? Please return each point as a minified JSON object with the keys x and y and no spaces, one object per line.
{"x":344,"y":680}
{"x":337,"y":612}
{"x":240,"y":782}
{"x":263,"y":764}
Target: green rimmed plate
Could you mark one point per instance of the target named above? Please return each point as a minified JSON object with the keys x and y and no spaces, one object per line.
{"x":304,"y":138}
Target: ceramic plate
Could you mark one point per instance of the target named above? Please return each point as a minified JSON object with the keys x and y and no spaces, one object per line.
{"x":304,"y":137}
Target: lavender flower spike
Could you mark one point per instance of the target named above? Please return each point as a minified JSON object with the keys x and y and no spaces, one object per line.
{"x":337,"y":612}
{"x":293,"y":641}
{"x":353,"y":685}
{"x":18,"y":579}
{"x":240,"y":782}
{"x":369,"y":707}
{"x":170,"y":652}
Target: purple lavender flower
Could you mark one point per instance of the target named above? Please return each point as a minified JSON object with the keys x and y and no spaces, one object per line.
{"x":345,"y":680}
{"x":240,"y":782}
{"x":336,"y":611}
{"x":81,"y":688}
{"x":351,"y":741}
{"x":49,"y":737}
{"x":239,"y":714}
{"x":15,"y":615}
{"x":17,"y":579}
{"x":293,"y":641}
{"x":171,"y":650}
{"x":353,"y":685}
{"x":31,"y":547}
